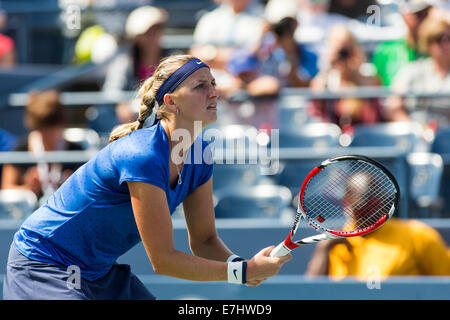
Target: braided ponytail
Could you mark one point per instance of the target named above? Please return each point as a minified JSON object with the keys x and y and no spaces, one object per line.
{"x":147,"y":103}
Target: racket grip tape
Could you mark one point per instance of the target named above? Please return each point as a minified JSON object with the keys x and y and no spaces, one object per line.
{"x":280,"y":251}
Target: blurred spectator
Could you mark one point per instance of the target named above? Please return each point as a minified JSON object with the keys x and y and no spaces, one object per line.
{"x":390,"y":56}
{"x":7,"y":143}
{"x":400,"y":247}
{"x":444,"y":5}
{"x":137,"y":59}
{"x":316,"y":21}
{"x":346,"y":69}
{"x":281,"y":55}
{"x":246,"y":73}
{"x":44,"y":117}
{"x":126,"y":112}
{"x":441,"y":8}
{"x":302,"y":63}
{"x":7,"y":46}
{"x":318,"y":17}
{"x":7,"y":140}
{"x":426,"y":75}
{"x":94,"y":45}
{"x":234,"y":23}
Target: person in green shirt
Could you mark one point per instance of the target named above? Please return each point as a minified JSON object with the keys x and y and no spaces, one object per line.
{"x":390,"y":56}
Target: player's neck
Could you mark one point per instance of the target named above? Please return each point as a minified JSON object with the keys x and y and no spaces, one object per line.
{"x":181,"y":133}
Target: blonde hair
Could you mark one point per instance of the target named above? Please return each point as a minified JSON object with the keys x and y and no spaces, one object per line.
{"x":147,"y":93}
{"x":429,"y":30}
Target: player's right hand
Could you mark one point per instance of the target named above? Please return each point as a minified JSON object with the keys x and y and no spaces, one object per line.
{"x":263,"y":266}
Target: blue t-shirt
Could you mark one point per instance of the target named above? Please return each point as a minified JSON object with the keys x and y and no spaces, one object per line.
{"x":89,"y":220}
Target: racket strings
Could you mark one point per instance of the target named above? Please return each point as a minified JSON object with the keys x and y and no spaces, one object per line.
{"x":381,"y":204}
{"x":329,"y":199}
{"x":361,"y":208}
{"x":381,"y":191}
{"x":373,"y":184}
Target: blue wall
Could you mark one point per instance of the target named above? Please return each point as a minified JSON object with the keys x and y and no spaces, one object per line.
{"x":247,"y":237}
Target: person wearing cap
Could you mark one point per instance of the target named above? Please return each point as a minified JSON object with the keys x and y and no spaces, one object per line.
{"x":390,"y":56}
{"x":134,"y":62}
{"x":142,"y":52}
{"x":67,"y":249}
{"x":246,"y":74}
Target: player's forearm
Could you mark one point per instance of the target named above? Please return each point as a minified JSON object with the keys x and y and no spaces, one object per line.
{"x":185,"y":266}
{"x":212,"y":248}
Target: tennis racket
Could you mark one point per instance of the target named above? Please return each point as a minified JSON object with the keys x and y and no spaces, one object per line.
{"x":343,"y":197}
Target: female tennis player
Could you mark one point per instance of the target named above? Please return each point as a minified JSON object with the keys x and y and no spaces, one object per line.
{"x":126,"y":194}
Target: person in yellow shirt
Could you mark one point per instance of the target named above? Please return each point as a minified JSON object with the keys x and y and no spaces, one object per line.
{"x":400,"y":247}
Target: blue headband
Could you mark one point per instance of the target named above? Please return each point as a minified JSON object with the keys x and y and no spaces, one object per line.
{"x":176,"y":78}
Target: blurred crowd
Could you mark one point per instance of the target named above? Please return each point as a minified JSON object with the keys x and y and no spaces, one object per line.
{"x":258,"y":48}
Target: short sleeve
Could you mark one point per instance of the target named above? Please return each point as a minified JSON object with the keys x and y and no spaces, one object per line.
{"x":142,"y":169}
{"x":137,"y":161}
{"x":203,"y":170}
{"x":208,"y":163}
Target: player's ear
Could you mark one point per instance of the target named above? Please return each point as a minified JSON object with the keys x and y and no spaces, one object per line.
{"x":170,"y":103}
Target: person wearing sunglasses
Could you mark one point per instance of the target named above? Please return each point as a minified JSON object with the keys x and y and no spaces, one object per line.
{"x":390,"y":56}
{"x":427,"y":75}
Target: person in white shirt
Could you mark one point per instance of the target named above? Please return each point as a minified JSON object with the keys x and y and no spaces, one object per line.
{"x":427,"y":75}
{"x":234,"y":23}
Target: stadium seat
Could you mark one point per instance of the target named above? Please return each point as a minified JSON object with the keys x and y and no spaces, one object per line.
{"x":441,"y":146}
{"x":16,"y":204}
{"x":310,"y":135}
{"x":225,"y":175}
{"x":425,"y":174}
{"x":87,"y":138}
{"x":262,"y":201}
{"x":407,"y":136}
{"x":441,"y":142}
{"x":292,"y":174}
{"x":229,"y":134}
{"x":292,"y":117}
{"x":292,"y":111}
{"x":233,"y":142}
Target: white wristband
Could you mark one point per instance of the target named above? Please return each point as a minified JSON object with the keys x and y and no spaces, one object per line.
{"x":234,"y":258}
{"x":237,"y":272}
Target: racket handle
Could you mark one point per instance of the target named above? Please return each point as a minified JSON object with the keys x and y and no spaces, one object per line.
{"x":280,"y":251}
